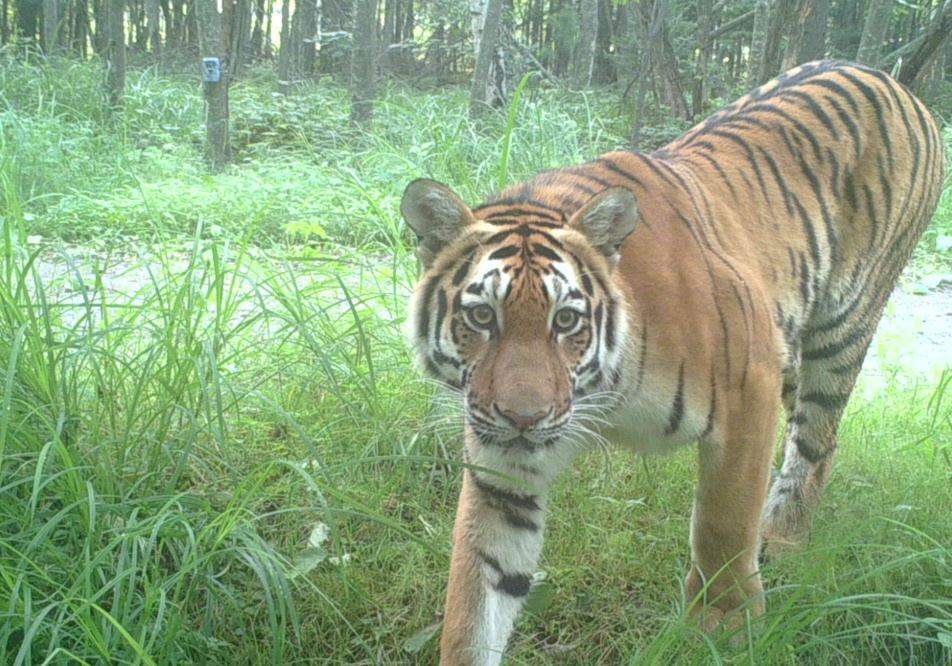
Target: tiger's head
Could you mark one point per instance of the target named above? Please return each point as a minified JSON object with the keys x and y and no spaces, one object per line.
{"x":516,"y":307}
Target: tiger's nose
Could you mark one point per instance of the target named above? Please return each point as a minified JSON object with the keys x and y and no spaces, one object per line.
{"x":522,"y":420}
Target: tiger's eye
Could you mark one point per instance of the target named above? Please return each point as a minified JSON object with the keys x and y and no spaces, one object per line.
{"x":482,"y":315}
{"x":565,"y":319}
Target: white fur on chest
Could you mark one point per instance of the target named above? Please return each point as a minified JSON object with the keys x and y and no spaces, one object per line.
{"x":642,"y":424}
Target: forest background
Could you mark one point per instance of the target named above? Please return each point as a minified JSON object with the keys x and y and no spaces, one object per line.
{"x":213,"y":448}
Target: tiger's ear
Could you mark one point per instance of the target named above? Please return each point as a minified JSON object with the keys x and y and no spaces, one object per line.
{"x":607,"y":219}
{"x":435,"y":214}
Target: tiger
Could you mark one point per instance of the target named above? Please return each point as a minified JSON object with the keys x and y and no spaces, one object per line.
{"x":701,"y":293}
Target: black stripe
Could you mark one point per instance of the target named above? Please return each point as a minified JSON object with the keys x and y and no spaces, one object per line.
{"x":546,"y":252}
{"x":850,"y":367}
{"x":515,"y":212}
{"x":816,"y":109}
{"x":830,"y":350}
{"x":515,"y":201}
{"x":677,"y":408}
{"x":730,"y":136}
{"x":520,"y":522}
{"x":709,"y":426}
{"x":870,"y":95}
{"x":871,"y":210}
{"x":778,"y":177}
{"x":505,"y":252}
{"x":643,"y":358}
{"x":810,"y":231}
{"x":805,"y":281}
{"x":835,"y":87}
{"x":423,"y":321}
{"x":824,"y":209}
{"x":830,"y":401}
{"x":771,"y":109}
{"x":582,"y":172}
{"x":847,"y":119}
{"x":515,"y":585}
{"x":720,"y":171}
{"x":611,"y":166}
{"x":851,"y":191}
{"x":463,"y":270}
{"x":807,"y":452}
{"x":505,"y":497}
{"x":609,"y":326}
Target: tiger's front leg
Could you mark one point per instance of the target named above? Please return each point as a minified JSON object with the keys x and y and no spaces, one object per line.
{"x":734,"y":467}
{"x":497,"y":539}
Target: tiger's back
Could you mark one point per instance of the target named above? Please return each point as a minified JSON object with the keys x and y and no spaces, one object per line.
{"x":670,"y":298}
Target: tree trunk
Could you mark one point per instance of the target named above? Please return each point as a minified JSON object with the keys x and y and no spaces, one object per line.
{"x":362,"y":62}
{"x":51,"y":27}
{"x":814,"y":31}
{"x":284,"y":52}
{"x":115,"y":52}
{"x":239,"y":38}
{"x":699,"y":93}
{"x":155,"y":37}
{"x":604,"y":68}
{"x":585,"y":49}
{"x":212,"y":45}
{"x":28,"y":17}
{"x":477,"y":11}
{"x":874,"y":32}
{"x":782,"y":19}
{"x":4,"y":25}
{"x":791,"y":55}
{"x":649,"y":40}
{"x":303,"y":34}
{"x":758,"y":44}
{"x":389,"y":37}
{"x":479,"y":99}
{"x":936,"y":36}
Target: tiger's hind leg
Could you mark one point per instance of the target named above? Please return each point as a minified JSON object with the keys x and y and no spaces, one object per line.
{"x":834,"y":346}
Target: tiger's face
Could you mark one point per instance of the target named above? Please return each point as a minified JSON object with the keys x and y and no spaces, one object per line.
{"x":519,"y":312}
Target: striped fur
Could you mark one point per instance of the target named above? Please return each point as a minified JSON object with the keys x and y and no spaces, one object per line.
{"x":766,"y":242}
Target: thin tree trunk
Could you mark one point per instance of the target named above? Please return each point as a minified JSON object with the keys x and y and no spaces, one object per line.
{"x":362,"y":62}
{"x":782,"y":18}
{"x":115,"y":52}
{"x":239,"y":37}
{"x":4,"y":21}
{"x":585,"y":49}
{"x":51,"y":27}
{"x":155,"y":36}
{"x":389,"y":33}
{"x":212,"y":45}
{"x":874,"y":31}
{"x":699,"y":93}
{"x":284,"y":51}
{"x":477,"y":11}
{"x":758,"y":44}
{"x":303,"y":34}
{"x":479,"y":94}
{"x":649,"y":42}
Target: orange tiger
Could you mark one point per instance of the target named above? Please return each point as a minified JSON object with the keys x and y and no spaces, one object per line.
{"x":659,"y":300}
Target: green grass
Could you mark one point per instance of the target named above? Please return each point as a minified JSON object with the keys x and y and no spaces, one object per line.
{"x":236,"y":464}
